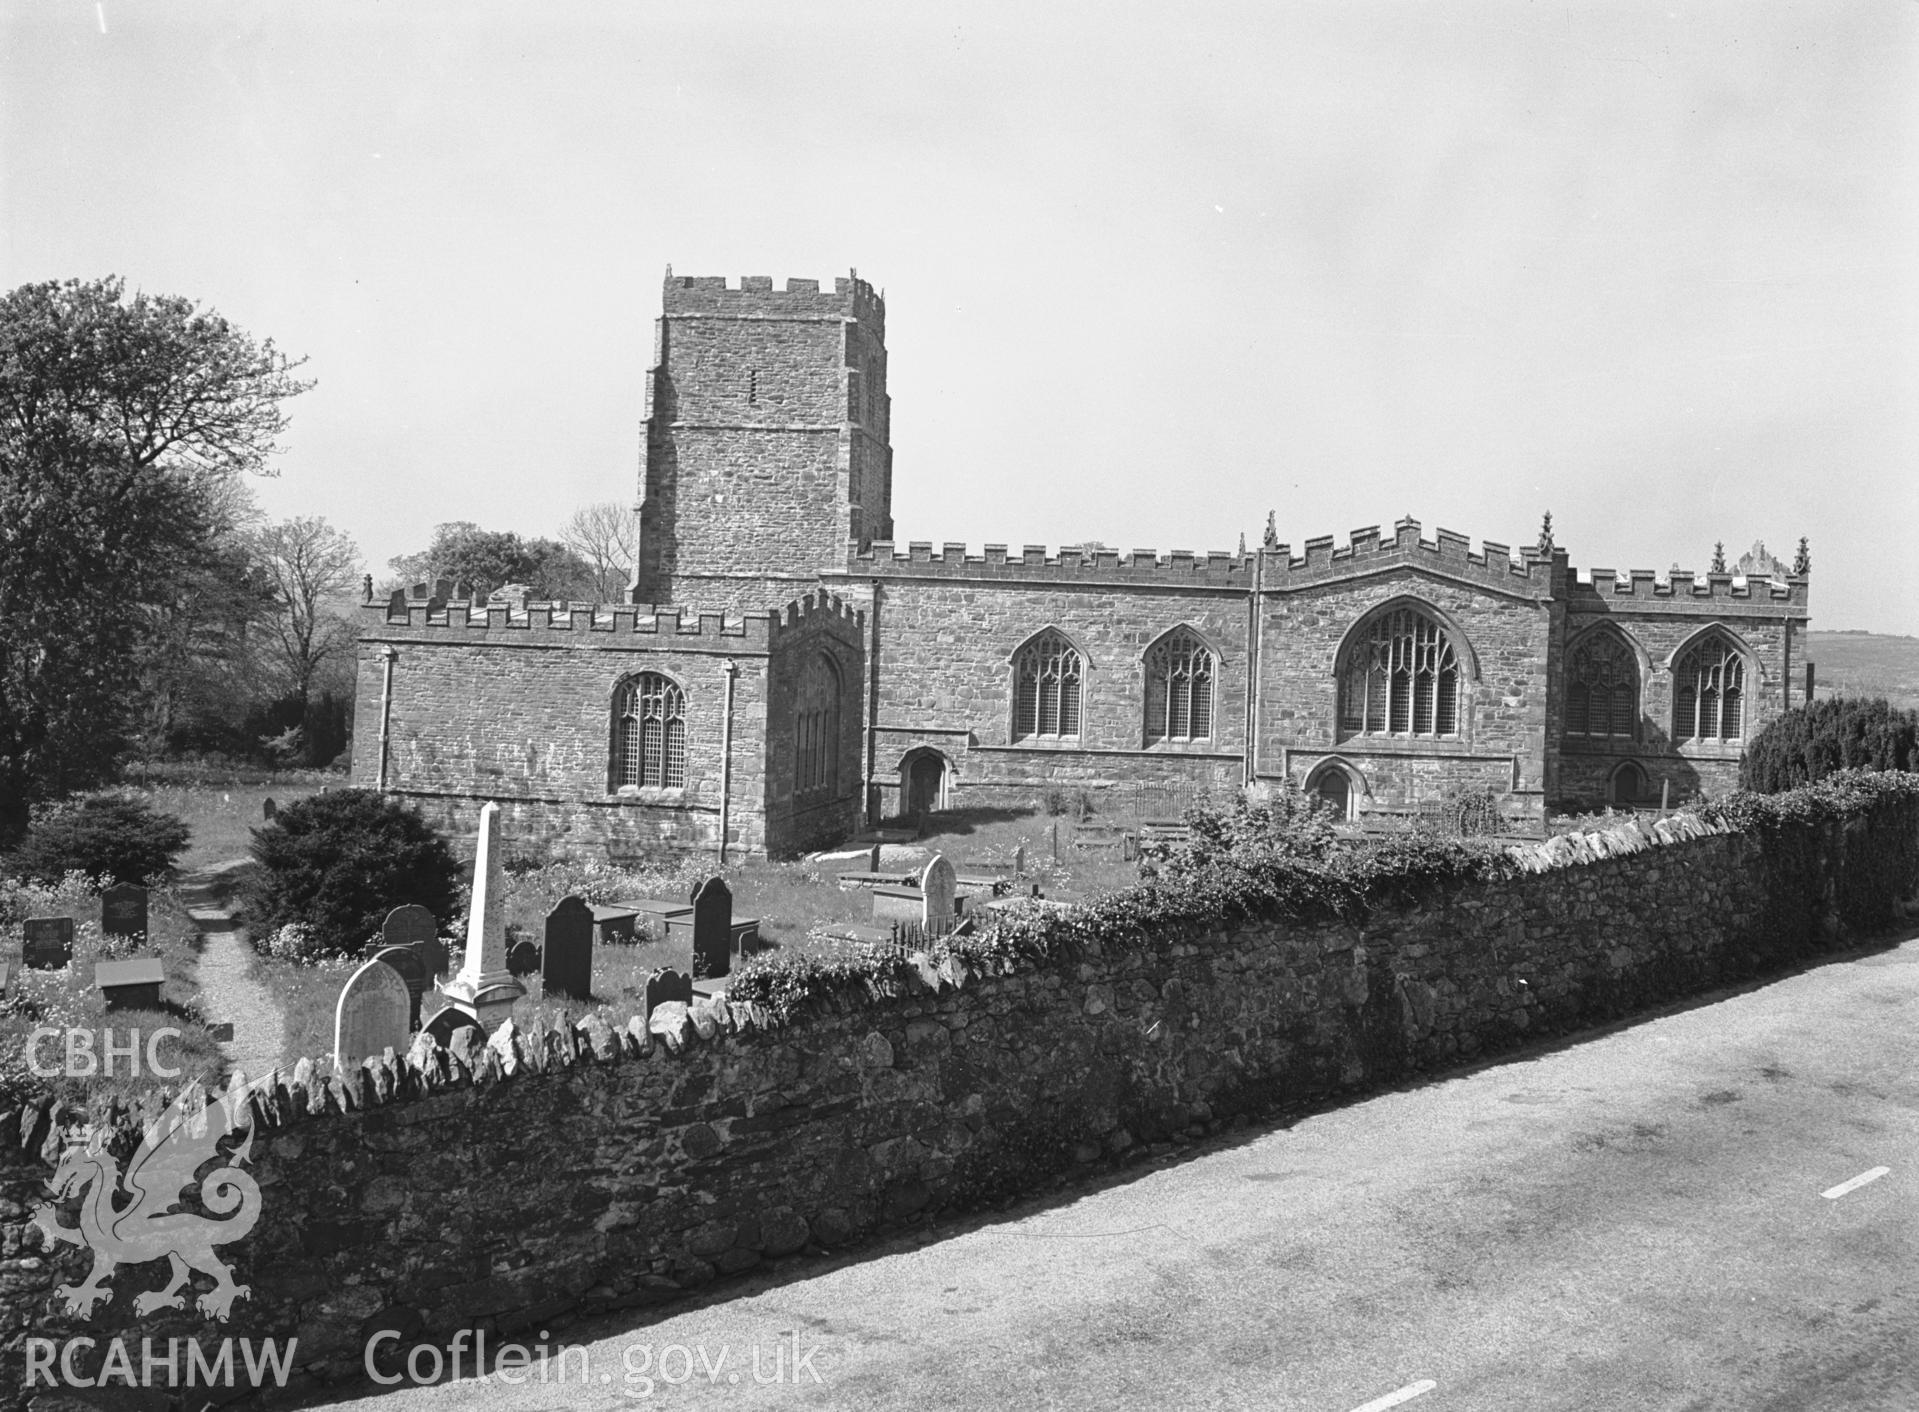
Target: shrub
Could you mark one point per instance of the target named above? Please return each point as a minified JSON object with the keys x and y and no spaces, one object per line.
{"x":109,"y":836}
{"x":1471,"y":812}
{"x":1250,"y":834}
{"x":335,"y":864}
{"x":1809,"y":742}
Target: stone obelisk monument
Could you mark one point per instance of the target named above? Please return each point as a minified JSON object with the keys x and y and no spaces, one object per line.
{"x":485,"y":989}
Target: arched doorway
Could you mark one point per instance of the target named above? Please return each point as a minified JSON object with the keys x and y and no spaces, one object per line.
{"x":1335,"y":791}
{"x":923,"y":776}
{"x":1630,"y":786}
{"x":1335,"y":787}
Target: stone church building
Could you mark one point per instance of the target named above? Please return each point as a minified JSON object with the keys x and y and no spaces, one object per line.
{"x":784,"y":669}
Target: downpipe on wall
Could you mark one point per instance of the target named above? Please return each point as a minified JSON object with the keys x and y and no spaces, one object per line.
{"x":386,"y":710}
{"x":730,"y":669}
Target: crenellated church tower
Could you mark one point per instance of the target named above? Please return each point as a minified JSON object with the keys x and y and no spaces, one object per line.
{"x":766,"y":445}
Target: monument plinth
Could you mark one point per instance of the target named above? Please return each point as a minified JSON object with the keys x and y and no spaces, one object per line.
{"x":485,"y":988}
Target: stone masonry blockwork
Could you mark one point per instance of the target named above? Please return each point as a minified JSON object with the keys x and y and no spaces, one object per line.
{"x":766,"y":473}
{"x":595,"y":1168}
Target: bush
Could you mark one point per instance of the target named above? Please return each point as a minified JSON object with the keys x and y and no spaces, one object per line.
{"x":1809,"y":742}
{"x":107,"y":837}
{"x":1249,"y":835}
{"x":335,"y":864}
{"x":1471,"y":812}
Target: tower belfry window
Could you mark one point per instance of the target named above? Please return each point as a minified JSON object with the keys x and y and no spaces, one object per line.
{"x":752,"y":387}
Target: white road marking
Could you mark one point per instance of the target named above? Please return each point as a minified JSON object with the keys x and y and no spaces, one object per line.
{"x":1393,"y":1399}
{"x":1874,"y":1175}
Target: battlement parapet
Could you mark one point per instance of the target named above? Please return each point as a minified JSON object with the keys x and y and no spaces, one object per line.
{"x":1069,"y":564}
{"x":574,"y":624}
{"x":815,"y":610}
{"x":753,"y":296}
{"x":1367,"y":550}
{"x":1591,"y":588}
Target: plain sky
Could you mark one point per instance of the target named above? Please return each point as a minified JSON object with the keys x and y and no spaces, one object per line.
{"x":1151,"y":270}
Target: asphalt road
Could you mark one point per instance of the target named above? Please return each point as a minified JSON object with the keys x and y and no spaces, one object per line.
{"x":1638,"y":1219}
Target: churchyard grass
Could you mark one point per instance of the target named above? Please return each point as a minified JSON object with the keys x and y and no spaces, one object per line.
{"x":222,"y":805}
{"x":793,"y":900}
{"x":67,"y":998}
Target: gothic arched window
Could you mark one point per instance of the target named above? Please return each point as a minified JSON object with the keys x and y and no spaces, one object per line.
{"x":816,"y":728}
{"x":1602,"y":687}
{"x":649,"y":732}
{"x":1046,"y":682}
{"x":1401,"y":678}
{"x":1179,"y":688}
{"x":1709,"y":691}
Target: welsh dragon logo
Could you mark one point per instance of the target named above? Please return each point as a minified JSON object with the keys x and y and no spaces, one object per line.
{"x":172,"y":1151}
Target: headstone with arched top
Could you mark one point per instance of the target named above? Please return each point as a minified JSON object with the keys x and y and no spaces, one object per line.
{"x":371,"y":1015}
{"x":668,"y":984}
{"x":937,"y":882}
{"x":712,"y":929}
{"x":566,"y":960}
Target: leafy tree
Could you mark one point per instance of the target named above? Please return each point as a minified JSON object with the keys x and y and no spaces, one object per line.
{"x":1810,"y":742}
{"x":123,"y":423}
{"x":311,"y":568}
{"x":488,"y":559}
{"x":197,"y":656}
{"x":110,"y":836}
{"x":338,"y":862}
{"x":603,"y":536}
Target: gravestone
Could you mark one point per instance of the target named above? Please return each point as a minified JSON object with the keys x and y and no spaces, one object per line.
{"x":523,"y":959}
{"x":566,"y":961}
{"x":615,"y":923}
{"x":130,"y":985}
{"x":6,"y":974}
{"x":936,"y":893}
{"x":413,"y":926}
{"x":123,"y":911}
{"x":1019,"y":859}
{"x":450,"y":1022}
{"x":371,"y":1015}
{"x":666,"y":985}
{"x":412,"y":969}
{"x":48,"y":943}
{"x":712,"y":929}
{"x":269,"y":810}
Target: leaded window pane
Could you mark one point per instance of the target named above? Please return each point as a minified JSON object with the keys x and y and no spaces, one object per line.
{"x":1709,"y":689}
{"x":650,"y":732}
{"x":1602,"y":687}
{"x":1046,"y":688}
{"x":1179,"y":688}
{"x":1401,"y":679}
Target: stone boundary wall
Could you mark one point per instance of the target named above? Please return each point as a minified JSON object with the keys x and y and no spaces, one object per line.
{"x":601,"y":1168}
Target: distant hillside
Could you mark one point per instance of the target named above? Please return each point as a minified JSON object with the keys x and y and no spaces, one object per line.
{"x":1865,"y":664}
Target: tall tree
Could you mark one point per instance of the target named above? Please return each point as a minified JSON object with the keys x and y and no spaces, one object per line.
{"x":311,"y":568}
{"x":464,"y":553}
{"x":122,"y":422}
{"x":604,"y":536}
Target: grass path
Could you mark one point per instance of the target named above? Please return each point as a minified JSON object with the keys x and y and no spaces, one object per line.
{"x":228,"y":992}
